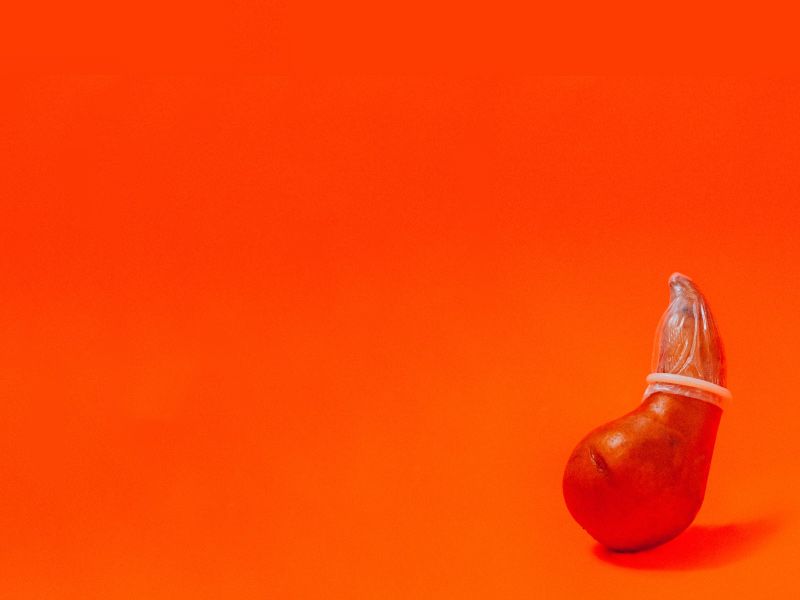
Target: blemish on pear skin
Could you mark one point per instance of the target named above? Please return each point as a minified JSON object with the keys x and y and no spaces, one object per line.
{"x":598,"y":461}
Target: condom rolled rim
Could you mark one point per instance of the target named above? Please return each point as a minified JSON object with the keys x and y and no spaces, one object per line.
{"x":717,"y":392}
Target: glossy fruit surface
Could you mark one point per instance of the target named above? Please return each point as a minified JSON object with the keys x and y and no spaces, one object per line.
{"x":639,"y":481}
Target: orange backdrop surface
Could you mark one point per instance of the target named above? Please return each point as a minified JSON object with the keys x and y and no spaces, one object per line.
{"x":334,"y":337}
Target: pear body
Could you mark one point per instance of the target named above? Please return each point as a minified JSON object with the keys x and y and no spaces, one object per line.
{"x":639,"y":480}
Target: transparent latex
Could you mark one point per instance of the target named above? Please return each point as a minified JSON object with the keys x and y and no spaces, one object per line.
{"x":687,"y":342}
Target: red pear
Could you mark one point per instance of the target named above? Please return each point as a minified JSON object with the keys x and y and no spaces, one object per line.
{"x":639,"y":480}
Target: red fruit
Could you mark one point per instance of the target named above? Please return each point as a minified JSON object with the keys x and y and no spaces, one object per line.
{"x":639,"y":480}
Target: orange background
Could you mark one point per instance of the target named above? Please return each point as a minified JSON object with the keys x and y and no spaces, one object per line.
{"x":324,"y":336}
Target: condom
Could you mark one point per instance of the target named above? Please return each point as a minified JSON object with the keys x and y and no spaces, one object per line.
{"x":688,"y":355}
